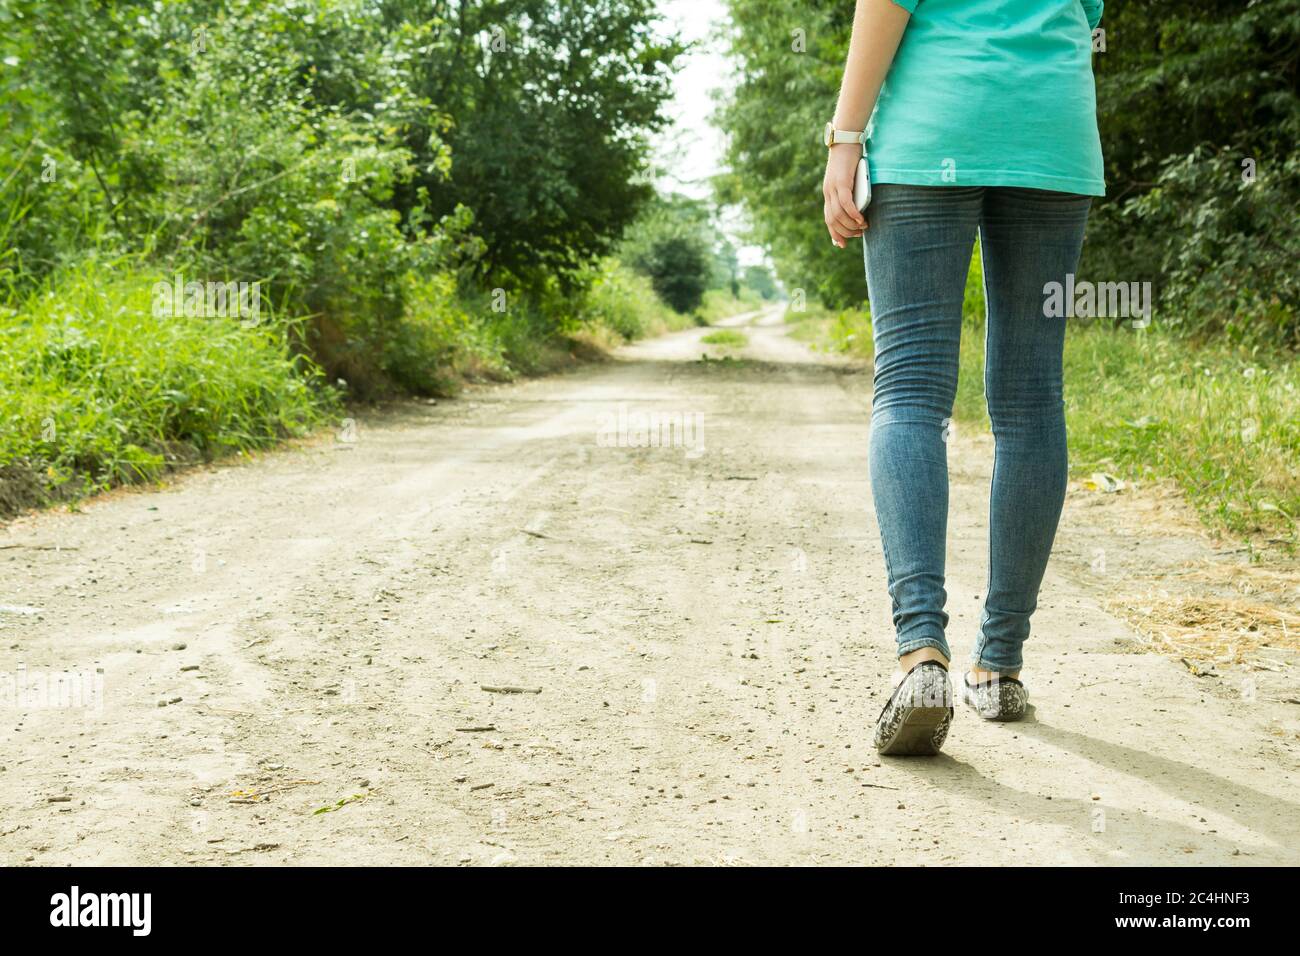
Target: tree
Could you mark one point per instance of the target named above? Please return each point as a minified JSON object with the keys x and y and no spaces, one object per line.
{"x":790,"y":57}
{"x":672,"y":244}
{"x":551,"y":105}
{"x":1199,"y":112}
{"x":759,"y":278}
{"x":350,"y":156}
{"x":725,"y":268}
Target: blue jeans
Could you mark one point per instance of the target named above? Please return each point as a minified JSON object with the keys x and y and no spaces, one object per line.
{"x":917,"y":251}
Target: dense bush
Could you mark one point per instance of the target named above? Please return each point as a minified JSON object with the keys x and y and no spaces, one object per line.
{"x":1199,"y":109}
{"x":625,"y":302}
{"x":96,"y":387}
{"x":1220,"y":251}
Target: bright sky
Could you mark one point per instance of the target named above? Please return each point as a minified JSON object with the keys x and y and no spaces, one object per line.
{"x":690,"y":151}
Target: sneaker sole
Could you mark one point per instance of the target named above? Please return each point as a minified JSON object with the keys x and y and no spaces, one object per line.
{"x":915,"y":734}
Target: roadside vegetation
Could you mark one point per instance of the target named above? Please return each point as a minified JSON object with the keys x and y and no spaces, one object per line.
{"x":412,"y":194}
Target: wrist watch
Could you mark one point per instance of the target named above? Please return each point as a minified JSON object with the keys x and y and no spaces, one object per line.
{"x":834,"y":137}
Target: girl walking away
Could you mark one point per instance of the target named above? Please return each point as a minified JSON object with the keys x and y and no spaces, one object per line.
{"x":977,"y":119}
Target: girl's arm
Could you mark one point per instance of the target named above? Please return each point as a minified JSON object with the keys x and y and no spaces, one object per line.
{"x":878,"y":27}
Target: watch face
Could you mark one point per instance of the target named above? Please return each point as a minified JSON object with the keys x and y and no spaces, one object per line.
{"x":828,"y":134}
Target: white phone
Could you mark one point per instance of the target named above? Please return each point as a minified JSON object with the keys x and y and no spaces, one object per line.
{"x":862,"y":185}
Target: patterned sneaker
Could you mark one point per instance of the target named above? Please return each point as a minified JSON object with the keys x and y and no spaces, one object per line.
{"x":998,"y":698}
{"x":916,"y":718}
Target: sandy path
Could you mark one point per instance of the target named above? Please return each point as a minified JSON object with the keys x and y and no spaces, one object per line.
{"x":709,"y":632}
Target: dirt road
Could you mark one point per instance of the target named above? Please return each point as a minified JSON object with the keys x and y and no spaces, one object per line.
{"x":706,"y":623}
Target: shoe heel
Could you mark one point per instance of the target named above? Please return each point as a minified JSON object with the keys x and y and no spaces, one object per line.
{"x":915,"y":734}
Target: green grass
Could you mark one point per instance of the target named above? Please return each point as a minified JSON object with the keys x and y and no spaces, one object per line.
{"x":95,"y":390}
{"x":721,"y":304}
{"x":847,"y":331}
{"x":727,"y":338}
{"x":534,"y":336}
{"x":1223,"y":423}
{"x":625,"y":303}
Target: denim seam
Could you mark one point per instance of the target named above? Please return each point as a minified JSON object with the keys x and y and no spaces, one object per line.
{"x":981,"y":641}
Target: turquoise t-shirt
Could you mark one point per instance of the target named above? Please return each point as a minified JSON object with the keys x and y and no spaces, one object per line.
{"x":991,"y":93}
